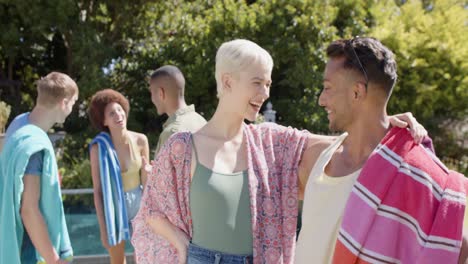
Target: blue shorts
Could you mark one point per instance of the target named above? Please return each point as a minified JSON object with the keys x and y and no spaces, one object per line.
{"x":199,"y":255}
{"x":132,"y":201}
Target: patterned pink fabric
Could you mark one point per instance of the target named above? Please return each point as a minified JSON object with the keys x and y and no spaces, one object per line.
{"x":273,"y":156}
{"x":406,"y":207}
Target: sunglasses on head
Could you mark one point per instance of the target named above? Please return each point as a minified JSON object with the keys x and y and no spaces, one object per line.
{"x":350,"y":45}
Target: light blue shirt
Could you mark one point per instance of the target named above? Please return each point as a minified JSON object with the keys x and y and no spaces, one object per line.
{"x":35,"y":162}
{"x":17,"y":123}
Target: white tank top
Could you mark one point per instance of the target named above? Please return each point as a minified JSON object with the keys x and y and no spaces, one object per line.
{"x":324,"y":202}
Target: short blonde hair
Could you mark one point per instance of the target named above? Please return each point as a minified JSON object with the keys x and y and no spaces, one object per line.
{"x":238,"y":54}
{"x":55,"y":87}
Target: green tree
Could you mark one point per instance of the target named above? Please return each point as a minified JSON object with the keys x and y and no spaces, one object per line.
{"x":294,"y":32}
{"x":429,"y":41}
{"x":75,"y":37}
{"x":118,"y":44}
{"x":80,"y":38}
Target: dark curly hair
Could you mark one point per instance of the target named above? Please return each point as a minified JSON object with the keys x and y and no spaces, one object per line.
{"x":377,"y":61}
{"x":98,"y":104}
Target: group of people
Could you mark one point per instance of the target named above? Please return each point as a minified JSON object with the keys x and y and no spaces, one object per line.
{"x":224,"y":191}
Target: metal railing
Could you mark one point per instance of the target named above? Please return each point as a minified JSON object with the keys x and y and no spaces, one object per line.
{"x":77,"y":191}
{"x":95,"y":258}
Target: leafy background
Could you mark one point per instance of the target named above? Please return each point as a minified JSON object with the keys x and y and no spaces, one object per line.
{"x":118,"y":43}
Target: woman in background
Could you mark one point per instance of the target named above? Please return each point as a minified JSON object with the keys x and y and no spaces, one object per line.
{"x":117,"y":156}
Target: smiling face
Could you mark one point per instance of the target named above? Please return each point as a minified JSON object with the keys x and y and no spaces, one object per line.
{"x":337,"y":95}
{"x":115,"y":117}
{"x":249,"y":89}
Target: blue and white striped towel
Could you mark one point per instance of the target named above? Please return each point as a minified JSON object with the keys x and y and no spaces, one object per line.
{"x":115,"y":210}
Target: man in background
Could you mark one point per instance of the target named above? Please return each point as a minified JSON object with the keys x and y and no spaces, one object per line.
{"x":167,"y":87}
{"x":32,"y":219}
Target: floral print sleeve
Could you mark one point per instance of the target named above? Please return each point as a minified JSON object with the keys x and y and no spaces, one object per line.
{"x":166,"y":195}
{"x":274,"y":155}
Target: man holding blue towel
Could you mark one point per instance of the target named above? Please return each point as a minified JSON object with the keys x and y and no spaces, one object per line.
{"x":32,"y":219}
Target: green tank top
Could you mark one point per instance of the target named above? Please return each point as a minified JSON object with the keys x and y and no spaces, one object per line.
{"x":220,"y":208}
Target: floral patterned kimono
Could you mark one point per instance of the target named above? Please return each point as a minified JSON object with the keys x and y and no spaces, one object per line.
{"x":273,"y":155}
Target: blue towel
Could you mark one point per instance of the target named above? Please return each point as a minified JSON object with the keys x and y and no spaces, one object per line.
{"x":115,"y":211}
{"x":13,"y":161}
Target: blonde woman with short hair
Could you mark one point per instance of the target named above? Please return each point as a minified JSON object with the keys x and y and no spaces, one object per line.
{"x":227,"y":193}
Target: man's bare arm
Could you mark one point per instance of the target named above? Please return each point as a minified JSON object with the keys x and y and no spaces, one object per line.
{"x":34,"y":221}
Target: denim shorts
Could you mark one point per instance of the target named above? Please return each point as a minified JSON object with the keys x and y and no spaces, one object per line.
{"x":132,"y":201}
{"x":199,"y":255}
